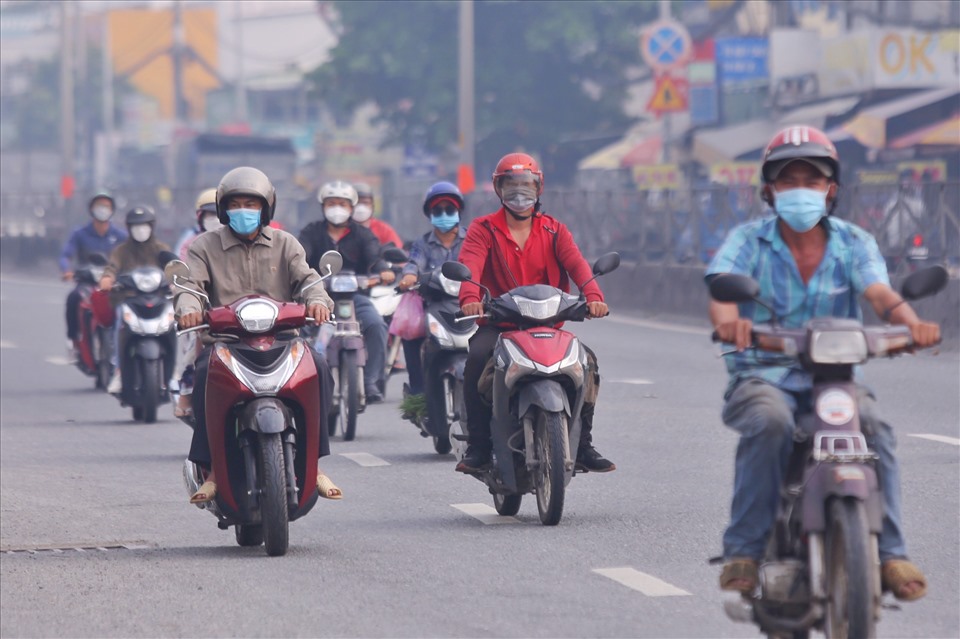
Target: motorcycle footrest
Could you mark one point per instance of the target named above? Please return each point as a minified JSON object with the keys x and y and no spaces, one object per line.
{"x":460,"y":437}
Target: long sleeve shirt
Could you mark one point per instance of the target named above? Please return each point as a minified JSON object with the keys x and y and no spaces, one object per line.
{"x":132,"y":254}
{"x":429,"y":253}
{"x":385,"y":233}
{"x":84,"y":241}
{"x":359,"y":248}
{"x":549,"y":256}
{"x":227,"y":268}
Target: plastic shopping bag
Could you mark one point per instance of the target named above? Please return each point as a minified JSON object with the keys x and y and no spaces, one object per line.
{"x":407,"y":320}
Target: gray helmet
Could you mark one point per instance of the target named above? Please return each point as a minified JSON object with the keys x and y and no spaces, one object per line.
{"x":102,"y":194}
{"x":246,"y":180}
{"x":363,"y":189}
{"x":141,"y":215}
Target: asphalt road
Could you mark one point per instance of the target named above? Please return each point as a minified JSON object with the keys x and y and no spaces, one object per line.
{"x":401,"y":555}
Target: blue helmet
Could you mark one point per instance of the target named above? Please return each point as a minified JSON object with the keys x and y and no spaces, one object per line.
{"x":441,"y":189}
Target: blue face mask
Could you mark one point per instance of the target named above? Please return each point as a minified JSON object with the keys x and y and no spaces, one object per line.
{"x":244,"y":221}
{"x":445,"y":221}
{"x":801,"y":209}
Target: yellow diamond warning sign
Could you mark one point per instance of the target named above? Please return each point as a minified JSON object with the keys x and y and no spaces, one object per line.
{"x":669,"y":95}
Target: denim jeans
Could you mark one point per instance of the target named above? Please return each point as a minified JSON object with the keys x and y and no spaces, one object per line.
{"x":764,"y":415}
{"x":374,"y":331}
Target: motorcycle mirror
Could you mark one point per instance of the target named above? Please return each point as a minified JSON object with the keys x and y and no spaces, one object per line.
{"x":606,"y":263}
{"x":731,"y":287}
{"x":924,"y":282}
{"x":456,"y":271}
{"x":165,"y":257}
{"x":176,"y":268}
{"x":330,"y":264}
{"x":395,"y":255}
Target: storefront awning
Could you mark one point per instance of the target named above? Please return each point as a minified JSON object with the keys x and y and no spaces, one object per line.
{"x":875,"y":126}
{"x":946,"y":133}
{"x":643,"y":145}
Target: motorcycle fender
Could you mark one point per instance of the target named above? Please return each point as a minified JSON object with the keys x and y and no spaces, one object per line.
{"x":826,"y":480}
{"x":265,"y":415}
{"x":548,"y":394}
{"x":147,"y":349}
{"x":338,"y":344}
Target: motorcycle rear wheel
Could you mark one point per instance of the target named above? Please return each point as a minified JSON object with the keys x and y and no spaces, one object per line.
{"x":250,"y":535}
{"x":274,"y":516}
{"x":548,"y":431}
{"x":349,"y":394}
{"x":101,"y":354}
{"x":507,"y":505}
{"x":850,"y":609}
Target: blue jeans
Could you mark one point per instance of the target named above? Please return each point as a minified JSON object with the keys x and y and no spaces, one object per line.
{"x":764,"y":415}
{"x":374,"y":331}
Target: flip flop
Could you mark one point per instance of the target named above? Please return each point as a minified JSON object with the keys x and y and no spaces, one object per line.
{"x":205,"y":493}
{"x":326,"y":487}
{"x":897,"y":574}
{"x":742,"y":569}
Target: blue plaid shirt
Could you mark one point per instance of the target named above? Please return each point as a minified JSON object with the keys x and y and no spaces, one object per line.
{"x":429,"y":253}
{"x":851,"y":263}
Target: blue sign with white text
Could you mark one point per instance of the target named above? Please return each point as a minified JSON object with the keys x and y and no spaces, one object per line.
{"x":742,"y":61}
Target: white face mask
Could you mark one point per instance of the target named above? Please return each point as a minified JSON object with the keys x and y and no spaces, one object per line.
{"x":140,"y":232}
{"x":336,"y":215}
{"x":210,"y":223}
{"x":101,"y":213}
{"x":362,"y":213}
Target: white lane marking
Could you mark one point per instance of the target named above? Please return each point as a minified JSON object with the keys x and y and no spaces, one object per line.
{"x":938,"y":438}
{"x":365,"y":459}
{"x":5,"y":344}
{"x":485,"y":514}
{"x":662,"y":326}
{"x":641,"y":582}
{"x":59,"y":361}
{"x":635,"y":380}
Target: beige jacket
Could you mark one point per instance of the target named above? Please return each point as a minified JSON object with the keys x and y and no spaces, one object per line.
{"x":227,"y":268}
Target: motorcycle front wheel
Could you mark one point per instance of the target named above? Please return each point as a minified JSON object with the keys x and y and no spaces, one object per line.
{"x":850,"y":610}
{"x":507,"y":505}
{"x":150,"y":388}
{"x":548,"y":435}
{"x":101,"y":353}
{"x":349,"y":394}
{"x":274,"y":516}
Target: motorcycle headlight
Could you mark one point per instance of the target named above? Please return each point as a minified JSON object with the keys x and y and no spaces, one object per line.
{"x":344,"y":284}
{"x":519,"y":364}
{"x":438,"y":331}
{"x":838,"y":347}
{"x":538,"y":309}
{"x":450,"y":287}
{"x":257,"y":316}
{"x":344,"y":310}
{"x":269,"y":382}
{"x":147,"y":281}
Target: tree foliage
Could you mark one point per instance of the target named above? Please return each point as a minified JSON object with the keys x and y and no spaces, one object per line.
{"x":545,"y":72}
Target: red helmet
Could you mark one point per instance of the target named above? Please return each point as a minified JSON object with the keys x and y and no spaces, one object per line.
{"x":800,"y":143}
{"x":517,"y":163}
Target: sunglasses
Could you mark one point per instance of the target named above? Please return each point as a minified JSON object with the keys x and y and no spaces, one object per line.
{"x":444,"y":209}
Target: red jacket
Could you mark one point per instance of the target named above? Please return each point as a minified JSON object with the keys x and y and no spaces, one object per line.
{"x":550,"y":256}
{"x":385,"y":233}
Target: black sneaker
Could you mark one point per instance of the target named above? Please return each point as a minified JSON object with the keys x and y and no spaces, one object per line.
{"x":589,"y":460}
{"x":474,"y":459}
{"x":374,"y":396}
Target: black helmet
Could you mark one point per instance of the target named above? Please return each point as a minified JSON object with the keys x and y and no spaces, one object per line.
{"x":102,"y":194}
{"x":246,"y":180}
{"x":141,"y":215}
{"x":442,"y":189}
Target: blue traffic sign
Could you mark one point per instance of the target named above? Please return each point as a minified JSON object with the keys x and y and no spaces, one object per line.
{"x":665,"y":45}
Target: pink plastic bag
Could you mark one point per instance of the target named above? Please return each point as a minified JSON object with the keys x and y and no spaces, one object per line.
{"x":407,"y":320}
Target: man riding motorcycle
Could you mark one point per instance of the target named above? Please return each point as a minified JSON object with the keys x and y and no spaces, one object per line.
{"x":516,"y":246}
{"x":363,"y":215}
{"x":247,"y":256}
{"x":360,"y":251}
{"x":809,"y":264}
{"x":442,"y":205}
{"x":142,"y":248}
{"x":206,"y":213}
{"x":99,"y":236}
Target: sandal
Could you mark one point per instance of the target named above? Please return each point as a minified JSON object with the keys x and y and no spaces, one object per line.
{"x":898,"y":574}
{"x":739,"y":574}
{"x":326,"y":487}
{"x":205,"y":493}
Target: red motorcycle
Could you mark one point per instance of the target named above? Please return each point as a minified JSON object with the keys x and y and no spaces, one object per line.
{"x":538,"y":391}
{"x":263,"y":414}
{"x":95,"y":317}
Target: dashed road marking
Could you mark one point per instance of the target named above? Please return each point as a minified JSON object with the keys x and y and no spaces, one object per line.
{"x":641,"y":582}
{"x":365,"y":459}
{"x":636,"y":380}
{"x":938,"y":438}
{"x":5,"y":344}
{"x":58,"y":361}
{"x":485,"y":514}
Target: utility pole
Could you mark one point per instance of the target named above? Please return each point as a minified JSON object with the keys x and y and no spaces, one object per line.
{"x":240,"y":90}
{"x":106,"y":71}
{"x":179,"y":40}
{"x":85,"y":117}
{"x":67,"y":128}
{"x":667,"y":132}
{"x":465,"y":95}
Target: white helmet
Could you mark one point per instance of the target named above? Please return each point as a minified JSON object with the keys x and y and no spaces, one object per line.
{"x":338,"y":189}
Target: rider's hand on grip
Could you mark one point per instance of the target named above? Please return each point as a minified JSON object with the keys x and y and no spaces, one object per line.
{"x":739,"y":332}
{"x":407,"y":281}
{"x":319,"y":312}
{"x":598,"y":309}
{"x":66,"y":276}
{"x":387,"y":277}
{"x":190,"y":320}
{"x":925,"y":334}
{"x":472,"y":308}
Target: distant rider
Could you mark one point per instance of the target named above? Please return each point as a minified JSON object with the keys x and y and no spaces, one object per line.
{"x":363,"y":215}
